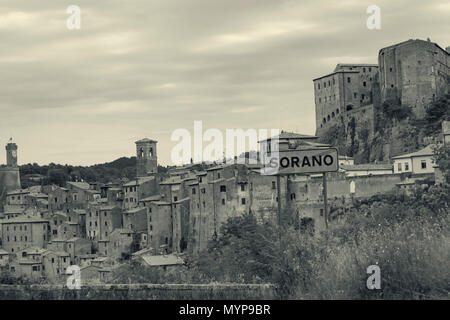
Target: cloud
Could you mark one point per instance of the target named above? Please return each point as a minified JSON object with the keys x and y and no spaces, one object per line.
{"x":146,"y":68}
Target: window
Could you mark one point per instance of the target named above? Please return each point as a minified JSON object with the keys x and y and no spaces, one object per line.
{"x":399,"y":167}
{"x":218,"y":175}
{"x":406,"y":166}
{"x":203,"y":190}
{"x":319,"y":85}
{"x":175,"y":198}
{"x":370,"y":69}
{"x":242,"y":187}
{"x":423,"y":164}
{"x":243,"y":200}
{"x":193,"y":190}
{"x":364,"y":70}
{"x":348,"y":80}
{"x":292,"y":196}
{"x":390,"y":69}
{"x":223,"y":201}
{"x":364,"y":84}
{"x":223,"y":188}
{"x":274,"y":185}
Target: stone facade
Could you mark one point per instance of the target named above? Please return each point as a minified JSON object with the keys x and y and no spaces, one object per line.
{"x":414,"y":73}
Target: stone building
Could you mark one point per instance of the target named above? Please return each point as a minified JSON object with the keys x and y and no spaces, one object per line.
{"x":9,"y":174}
{"x":347,"y":88}
{"x":414,"y":73}
{"x":146,"y":160}
{"x":22,"y":232}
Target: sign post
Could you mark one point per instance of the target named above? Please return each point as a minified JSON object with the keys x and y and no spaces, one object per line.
{"x":325,"y":199}
{"x":305,"y":160}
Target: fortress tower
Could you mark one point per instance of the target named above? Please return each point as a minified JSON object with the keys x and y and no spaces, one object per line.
{"x":9,"y":174}
{"x":146,"y":158}
{"x":414,"y":73}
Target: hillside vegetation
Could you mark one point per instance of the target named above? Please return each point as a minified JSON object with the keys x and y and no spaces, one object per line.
{"x":396,"y":130}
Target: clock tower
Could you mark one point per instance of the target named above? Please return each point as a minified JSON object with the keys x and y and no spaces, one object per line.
{"x":11,"y":154}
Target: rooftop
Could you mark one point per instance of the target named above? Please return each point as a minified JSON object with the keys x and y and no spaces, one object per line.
{"x":25,"y":219}
{"x":367,"y":167}
{"x":80,"y":185}
{"x":146,"y":140}
{"x":427,"y":151}
{"x":290,"y":136}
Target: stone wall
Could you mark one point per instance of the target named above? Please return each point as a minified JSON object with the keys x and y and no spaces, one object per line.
{"x":140,"y":292}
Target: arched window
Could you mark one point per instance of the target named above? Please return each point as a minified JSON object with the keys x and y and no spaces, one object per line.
{"x":328,"y":117}
{"x":141,"y":152}
{"x":151,"y":152}
{"x":337,"y":111}
{"x":324,"y":120}
{"x":332,"y":114}
{"x":349,"y":107}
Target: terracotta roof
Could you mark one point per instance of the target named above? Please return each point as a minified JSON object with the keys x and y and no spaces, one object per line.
{"x":151,"y":198}
{"x":81,"y":185}
{"x":427,"y":151}
{"x":25,"y":220}
{"x":367,"y":167}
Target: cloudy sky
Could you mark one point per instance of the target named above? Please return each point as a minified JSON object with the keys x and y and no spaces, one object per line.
{"x":145,"y":68}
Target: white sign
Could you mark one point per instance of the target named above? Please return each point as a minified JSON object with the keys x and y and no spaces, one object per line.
{"x":297,"y":161}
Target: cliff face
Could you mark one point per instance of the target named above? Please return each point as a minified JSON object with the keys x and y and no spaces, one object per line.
{"x":378,"y":133}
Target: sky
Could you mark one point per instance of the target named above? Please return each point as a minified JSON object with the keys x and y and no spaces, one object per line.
{"x":145,"y":68}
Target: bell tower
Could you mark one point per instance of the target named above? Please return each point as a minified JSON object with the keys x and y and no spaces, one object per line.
{"x":11,"y":155}
{"x":146,"y":158}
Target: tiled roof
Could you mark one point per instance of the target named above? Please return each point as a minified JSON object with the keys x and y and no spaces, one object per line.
{"x":172,"y":180}
{"x":427,"y":151}
{"x":25,"y":220}
{"x":151,"y":198}
{"x":81,"y":185}
{"x":366,"y":167}
{"x":18,"y":191}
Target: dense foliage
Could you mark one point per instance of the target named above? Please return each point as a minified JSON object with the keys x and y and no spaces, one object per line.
{"x":58,"y":174}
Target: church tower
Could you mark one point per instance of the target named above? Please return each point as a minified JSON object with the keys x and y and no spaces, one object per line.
{"x":11,"y":155}
{"x":146,"y":158}
{"x":9,"y":174}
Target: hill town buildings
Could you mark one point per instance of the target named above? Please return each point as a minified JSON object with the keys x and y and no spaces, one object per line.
{"x":157,"y":217}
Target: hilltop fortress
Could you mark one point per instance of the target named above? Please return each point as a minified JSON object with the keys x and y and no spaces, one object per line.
{"x":412,"y":73}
